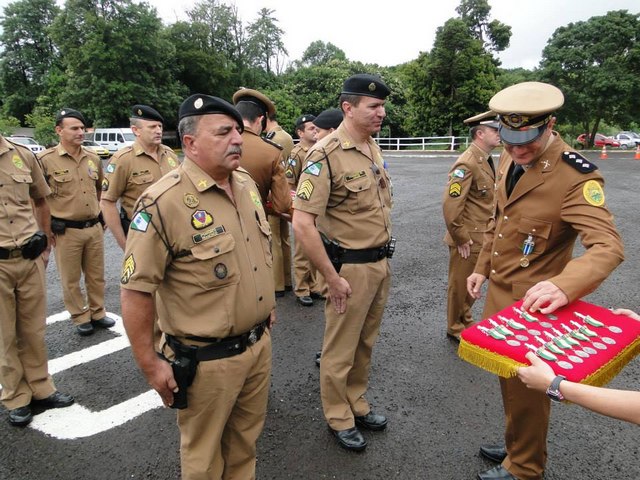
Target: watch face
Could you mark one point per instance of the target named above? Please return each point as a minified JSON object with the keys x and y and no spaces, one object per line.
{"x":554,"y":395}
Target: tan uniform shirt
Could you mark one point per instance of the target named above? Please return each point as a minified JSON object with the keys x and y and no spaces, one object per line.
{"x":467,"y":203}
{"x":74,"y":183}
{"x":131,"y":171}
{"x":263,"y":160}
{"x":209,"y":261}
{"x":553,"y":202}
{"x":282,"y":138}
{"x":349,"y":189}
{"x":21,"y":178}
{"x":294,"y":165}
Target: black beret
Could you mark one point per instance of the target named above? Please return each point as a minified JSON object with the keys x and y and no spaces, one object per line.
{"x":145,"y":112}
{"x":199,"y":104}
{"x":330,"y":118}
{"x":254,"y":96}
{"x":365,"y":85}
{"x":304,"y":119}
{"x":69,"y":113}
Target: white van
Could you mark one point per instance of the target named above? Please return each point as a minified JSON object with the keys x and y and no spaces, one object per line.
{"x":113,"y":139}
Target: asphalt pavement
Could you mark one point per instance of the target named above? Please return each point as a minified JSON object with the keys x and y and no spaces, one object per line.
{"x":440,"y":408}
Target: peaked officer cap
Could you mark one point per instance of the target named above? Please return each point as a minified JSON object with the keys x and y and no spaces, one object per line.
{"x":254,"y":96}
{"x":488,"y":119}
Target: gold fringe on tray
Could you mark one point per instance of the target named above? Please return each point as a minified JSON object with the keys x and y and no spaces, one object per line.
{"x":488,"y":360}
{"x":607,"y":372}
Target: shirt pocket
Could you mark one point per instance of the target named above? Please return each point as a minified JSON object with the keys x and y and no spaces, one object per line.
{"x":482,"y":188}
{"x":539,"y":230}
{"x":62,"y":184}
{"x":216,"y":264}
{"x":142,"y":178}
{"x":359,"y":194}
{"x":22,"y":184}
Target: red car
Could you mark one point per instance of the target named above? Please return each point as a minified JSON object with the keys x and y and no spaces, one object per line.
{"x":600,"y":141}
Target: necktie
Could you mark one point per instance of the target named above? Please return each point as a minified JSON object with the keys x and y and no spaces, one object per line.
{"x":517,"y":172}
{"x":490,"y":162}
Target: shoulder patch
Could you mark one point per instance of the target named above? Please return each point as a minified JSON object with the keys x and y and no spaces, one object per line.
{"x":458,"y":173}
{"x":270,"y":135}
{"x":578,"y":162}
{"x":271,"y":143}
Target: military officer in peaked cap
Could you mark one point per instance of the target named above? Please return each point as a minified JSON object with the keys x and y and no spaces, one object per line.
{"x":261,"y":157}
{"x":467,"y":206}
{"x":134,"y":168}
{"x":345,"y":187}
{"x":75,"y":176}
{"x":200,"y":240}
{"x":547,"y":195}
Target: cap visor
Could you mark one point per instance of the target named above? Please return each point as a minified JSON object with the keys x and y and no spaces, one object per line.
{"x":520,"y":137}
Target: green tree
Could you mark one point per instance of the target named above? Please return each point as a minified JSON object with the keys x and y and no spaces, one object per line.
{"x":494,"y":35}
{"x":43,"y":121}
{"x":454,"y":81}
{"x":8,"y":125}
{"x":596,"y":63}
{"x":266,"y":46}
{"x":319,"y":52}
{"x":114,"y":56}
{"x":28,"y":53}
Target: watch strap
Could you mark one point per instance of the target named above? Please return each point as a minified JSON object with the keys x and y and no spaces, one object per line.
{"x":554,"y":389}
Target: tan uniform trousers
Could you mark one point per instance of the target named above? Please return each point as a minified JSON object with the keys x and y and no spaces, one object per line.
{"x":348,"y":343}
{"x":226,"y":413}
{"x":281,"y":251}
{"x":23,"y":353}
{"x":81,"y":251}
{"x":526,"y":425}
{"x":459,"y":302}
{"x":305,"y":273}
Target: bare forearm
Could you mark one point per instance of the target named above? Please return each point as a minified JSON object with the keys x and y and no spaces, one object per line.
{"x":112,"y":219}
{"x":138,"y":318}
{"x":620,"y":404}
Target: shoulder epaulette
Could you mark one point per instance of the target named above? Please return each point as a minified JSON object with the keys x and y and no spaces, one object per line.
{"x":46,"y":152}
{"x":270,"y":135}
{"x":242,"y":170}
{"x":165,"y":184}
{"x":122,"y":151}
{"x":578,"y":162}
{"x":325,"y":149}
{"x":272,"y":143}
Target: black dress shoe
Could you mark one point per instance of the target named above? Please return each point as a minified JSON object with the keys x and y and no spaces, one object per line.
{"x":305,"y":301}
{"x":279,"y":293}
{"x":317,"y":296}
{"x":372,"y":421}
{"x":495,"y":453}
{"x":288,"y":288}
{"x":350,"y":439}
{"x":318,"y":356}
{"x":455,"y":338}
{"x":496,"y":473}
{"x":85,"y":329}
{"x":21,"y":416}
{"x":104,"y":322}
{"x":55,"y":400}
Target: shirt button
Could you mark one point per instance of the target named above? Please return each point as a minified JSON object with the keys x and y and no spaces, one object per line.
{"x":216,"y":250}
{"x":255,"y":269}
{"x":260,"y":298}
{"x":247,"y":239}
{"x":499,"y":235}
{"x":493,"y":271}
{"x":506,"y":218}
{"x":495,"y":254}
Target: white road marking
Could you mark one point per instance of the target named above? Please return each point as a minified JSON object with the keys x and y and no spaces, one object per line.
{"x":77,"y":421}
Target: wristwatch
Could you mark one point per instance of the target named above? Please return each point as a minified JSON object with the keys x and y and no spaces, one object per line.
{"x":553,"y":392}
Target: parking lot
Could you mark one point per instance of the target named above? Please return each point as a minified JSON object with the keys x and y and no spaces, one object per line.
{"x":440,"y":408}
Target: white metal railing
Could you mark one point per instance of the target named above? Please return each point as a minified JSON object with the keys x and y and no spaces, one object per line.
{"x":423,"y":143}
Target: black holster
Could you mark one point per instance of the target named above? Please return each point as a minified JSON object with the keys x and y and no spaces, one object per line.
{"x":184,"y":370}
{"x":124,"y":221}
{"x":58,"y":226}
{"x":34,"y":246}
{"x":334,"y":252}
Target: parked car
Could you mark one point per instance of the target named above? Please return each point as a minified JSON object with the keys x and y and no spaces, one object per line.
{"x":114,"y":138}
{"x":28,"y":142}
{"x":600,"y":140}
{"x":628,"y":139}
{"x":99,"y":150}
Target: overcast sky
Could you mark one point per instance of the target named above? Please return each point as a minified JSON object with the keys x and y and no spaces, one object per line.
{"x":395,"y":31}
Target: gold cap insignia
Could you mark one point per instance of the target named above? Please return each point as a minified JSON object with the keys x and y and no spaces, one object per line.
{"x":372,"y":87}
{"x":198,"y":103}
{"x":139,"y":112}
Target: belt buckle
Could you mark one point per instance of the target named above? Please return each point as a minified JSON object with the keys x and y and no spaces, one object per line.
{"x":253,"y":336}
{"x":15,"y":253}
{"x":87,"y":224}
{"x":382,"y":252}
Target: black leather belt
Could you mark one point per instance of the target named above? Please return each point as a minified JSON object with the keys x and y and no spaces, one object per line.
{"x":218,"y":347}
{"x":366,"y":255}
{"x":6,"y":253}
{"x":75,"y":224}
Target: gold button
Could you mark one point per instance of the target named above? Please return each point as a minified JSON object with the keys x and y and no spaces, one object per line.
{"x":493,"y":271}
{"x":499,"y":235}
{"x":506,"y":218}
{"x":495,"y":254}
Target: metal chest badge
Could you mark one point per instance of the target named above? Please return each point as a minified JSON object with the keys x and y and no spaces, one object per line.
{"x":527,"y":249}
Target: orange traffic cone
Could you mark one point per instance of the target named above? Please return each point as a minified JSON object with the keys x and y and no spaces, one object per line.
{"x":604,"y":155}
{"x":637,"y":157}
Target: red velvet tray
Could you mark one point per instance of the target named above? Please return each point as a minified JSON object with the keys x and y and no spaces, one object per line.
{"x":591,"y":349}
